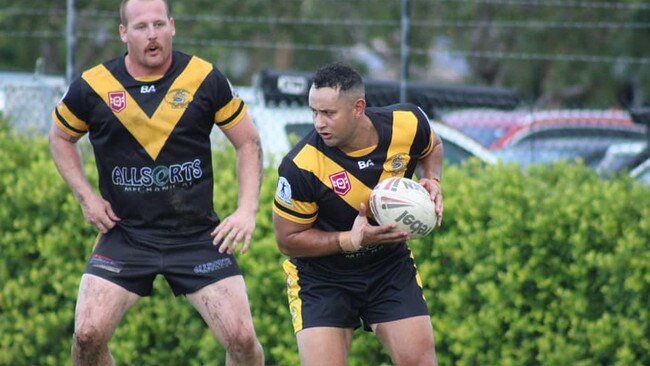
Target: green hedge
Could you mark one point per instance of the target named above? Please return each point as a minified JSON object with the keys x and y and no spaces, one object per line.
{"x":546,"y":267}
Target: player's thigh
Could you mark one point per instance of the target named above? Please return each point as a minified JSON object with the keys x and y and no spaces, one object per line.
{"x":101,"y":305}
{"x":324,"y":346}
{"x":409,"y":341}
{"x":224,"y":307}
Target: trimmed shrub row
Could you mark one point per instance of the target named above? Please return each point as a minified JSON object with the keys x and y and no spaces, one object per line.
{"x":550,"y":266}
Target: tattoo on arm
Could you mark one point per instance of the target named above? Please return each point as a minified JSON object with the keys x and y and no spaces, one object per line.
{"x":260,"y":156}
{"x":72,"y":138}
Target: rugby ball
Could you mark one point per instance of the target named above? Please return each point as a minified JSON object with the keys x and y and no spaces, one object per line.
{"x":404,"y":202}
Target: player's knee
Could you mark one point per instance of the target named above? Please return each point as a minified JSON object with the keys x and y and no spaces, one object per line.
{"x":423,"y":358}
{"x":243,"y":342}
{"x":88,"y":337}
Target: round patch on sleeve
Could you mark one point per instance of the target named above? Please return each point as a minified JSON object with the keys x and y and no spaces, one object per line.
{"x":284,"y":191}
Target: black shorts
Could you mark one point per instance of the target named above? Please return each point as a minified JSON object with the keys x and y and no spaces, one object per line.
{"x":134,"y":262}
{"x":322,"y":297}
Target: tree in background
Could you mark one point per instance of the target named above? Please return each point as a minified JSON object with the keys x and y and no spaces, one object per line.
{"x":557,"y":54}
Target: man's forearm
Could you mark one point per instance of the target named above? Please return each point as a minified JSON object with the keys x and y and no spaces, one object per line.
{"x":68,"y":162}
{"x":249,"y":174}
{"x":431,"y":165}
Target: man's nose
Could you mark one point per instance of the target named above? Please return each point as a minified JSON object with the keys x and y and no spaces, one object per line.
{"x":151,"y":32}
{"x":318,"y":121}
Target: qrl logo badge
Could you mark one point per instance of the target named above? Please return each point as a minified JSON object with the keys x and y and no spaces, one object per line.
{"x":340,"y":183}
{"x":117,"y":101}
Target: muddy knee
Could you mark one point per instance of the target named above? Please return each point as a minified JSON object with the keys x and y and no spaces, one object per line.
{"x":242,"y":343}
{"x":89,"y":338}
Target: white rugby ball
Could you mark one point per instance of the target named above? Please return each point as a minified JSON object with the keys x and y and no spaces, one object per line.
{"x":404,"y":202}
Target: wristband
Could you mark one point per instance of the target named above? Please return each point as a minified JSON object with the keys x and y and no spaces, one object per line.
{"x":346,"y":244}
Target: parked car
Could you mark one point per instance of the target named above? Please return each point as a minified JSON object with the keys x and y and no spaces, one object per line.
{"x":620,"y":157}
{"x":459,"y":147}
{"x":642,"y":172}
{"x":546,"y":143}
{"x":484,"y":125}
{"x":497,"y":129}
{"x":640,"y":166}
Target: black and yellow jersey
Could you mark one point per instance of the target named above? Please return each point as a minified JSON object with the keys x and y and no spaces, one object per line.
{"x":324,"y":186}
{"x":151,"y":139}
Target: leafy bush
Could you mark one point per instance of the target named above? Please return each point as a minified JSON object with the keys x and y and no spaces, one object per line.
{"x":550,"y":266}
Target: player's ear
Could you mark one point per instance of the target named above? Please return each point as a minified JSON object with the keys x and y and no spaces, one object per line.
{"x":122,"y":29}
{"x":359,"y":107}
{"x":173,"y":25}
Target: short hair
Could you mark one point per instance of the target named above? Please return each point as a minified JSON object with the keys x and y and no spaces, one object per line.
{"x":123,"y":9}
{"x":339,"y":76}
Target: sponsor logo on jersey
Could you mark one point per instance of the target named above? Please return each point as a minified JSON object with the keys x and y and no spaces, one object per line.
{"x":371,"y":249}
{"x":340,"y":183}
{"x":161,"y":177}
{"x":365,"y":164}
{"x":117,"y":101}
{"x":146,"y":89}
{"x":179,"y":98}
{"x":283,"y":192}
{"x":397,"y":163}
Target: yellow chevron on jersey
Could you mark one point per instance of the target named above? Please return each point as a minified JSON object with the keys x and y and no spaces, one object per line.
{"x":152,"y":136}
{"x":310,"y":157}
{"x":153,"y":150}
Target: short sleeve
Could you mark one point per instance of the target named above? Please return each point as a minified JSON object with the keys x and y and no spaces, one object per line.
{"x":230,"y":108}
{"x":425,"y":133}
{"x":295,"y":197}
{"x":70,"y":113}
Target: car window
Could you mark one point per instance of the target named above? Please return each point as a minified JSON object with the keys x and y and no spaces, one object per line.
{"x":583,"y":133}
{"x":453,"y":153}
{"x":485,"y":135}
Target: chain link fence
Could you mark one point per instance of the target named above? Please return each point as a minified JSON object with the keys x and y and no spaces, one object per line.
{"x":27,"y":100}
{"x":490,"y":123}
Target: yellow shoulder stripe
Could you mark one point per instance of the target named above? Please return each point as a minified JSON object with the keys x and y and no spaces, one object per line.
{"x":405,"y":126}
